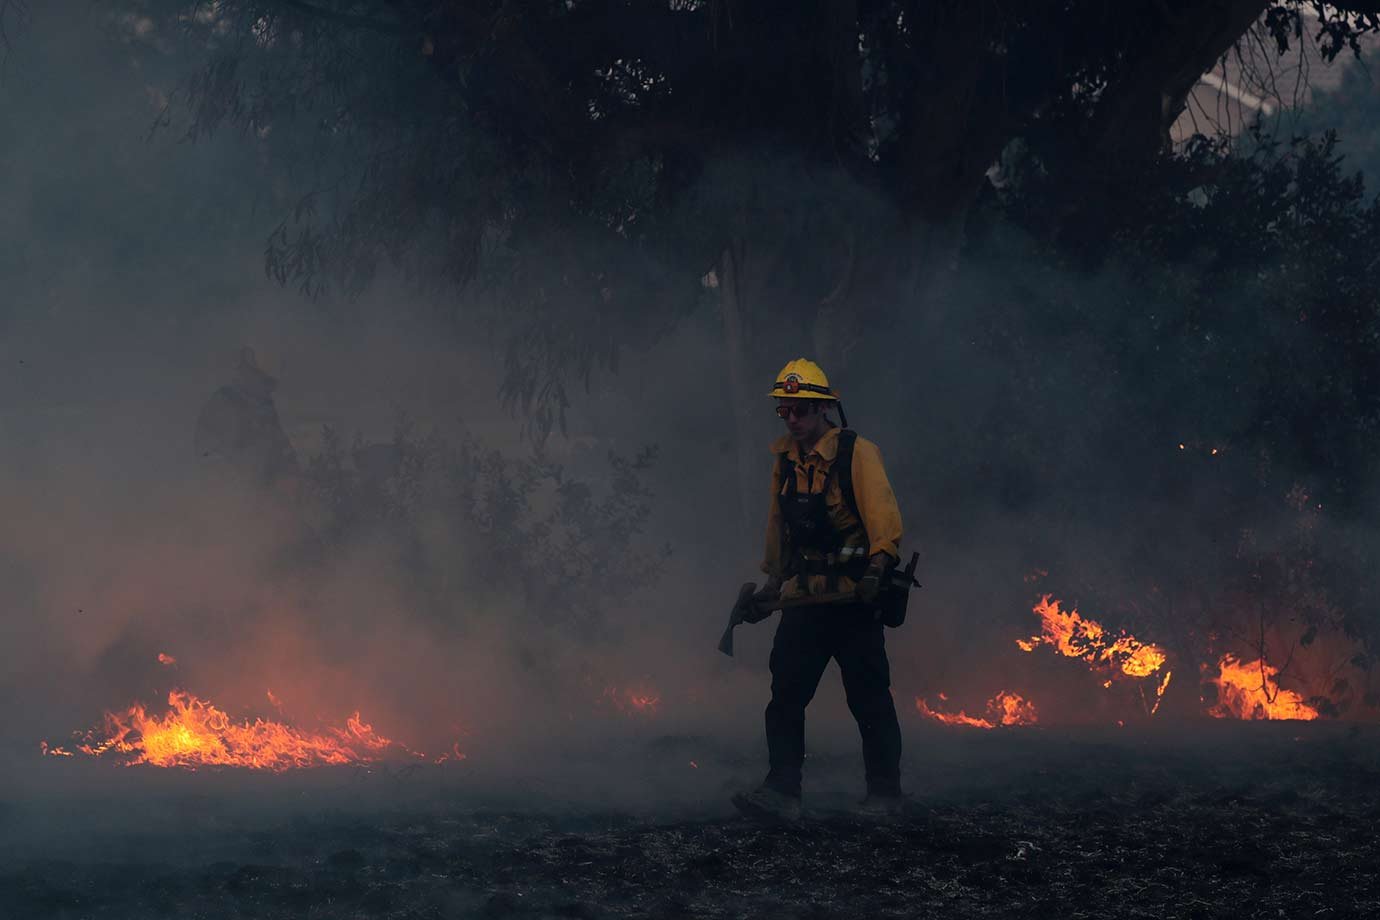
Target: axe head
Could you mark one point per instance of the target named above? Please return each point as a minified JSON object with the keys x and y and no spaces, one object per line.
{"x":735,"y":616}
{"x":744,"y":602}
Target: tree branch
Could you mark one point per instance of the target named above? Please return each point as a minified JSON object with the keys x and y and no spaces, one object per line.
{"x":346,"y":19}
{"x":1348,"y":6}
{"x":20,"y":9}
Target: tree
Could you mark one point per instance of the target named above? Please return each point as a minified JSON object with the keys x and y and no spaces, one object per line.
{"x":584,"y":168}
{"x":587,"y":131}
{"x":11,"y":12}
{"x":1198,"y":391}
{"x":1351,"y":110}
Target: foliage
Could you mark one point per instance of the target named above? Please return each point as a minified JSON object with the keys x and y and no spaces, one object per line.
{"x":473,"y":527}
{"x":1247,"y":297}
{"x":1201,"y":378}
{"x":1352,"y":110}
{"x":559,"y":150}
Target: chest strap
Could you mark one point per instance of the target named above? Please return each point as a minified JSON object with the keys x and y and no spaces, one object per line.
{"x":842,"y":470}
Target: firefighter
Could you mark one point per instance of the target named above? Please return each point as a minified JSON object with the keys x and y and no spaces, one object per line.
{"x":832,"y":526}
{"x":238,"y":430}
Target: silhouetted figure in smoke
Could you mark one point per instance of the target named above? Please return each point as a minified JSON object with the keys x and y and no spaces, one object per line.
{"x":239,"y":427}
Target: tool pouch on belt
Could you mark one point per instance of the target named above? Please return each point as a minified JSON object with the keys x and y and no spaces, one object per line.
{"x":895,"y":596}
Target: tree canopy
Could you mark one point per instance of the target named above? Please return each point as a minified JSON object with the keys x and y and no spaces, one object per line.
{"x":991,"y":185}
{"x":609,"y":153}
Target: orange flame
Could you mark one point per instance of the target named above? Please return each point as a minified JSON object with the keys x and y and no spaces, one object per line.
{"x":1075,"y":636}
{"x":1006,"y":708}
{"x":1250,"y":690}
{"x":1013,"y":709}
{"x":166,"y":659}
{"x":194,"y":733}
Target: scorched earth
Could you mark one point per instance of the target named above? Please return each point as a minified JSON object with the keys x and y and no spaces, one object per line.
{"x":1221,"y":819}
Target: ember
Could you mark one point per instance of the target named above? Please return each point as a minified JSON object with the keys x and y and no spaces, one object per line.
{"x":639,"y":700}
{"x":453,"y":755}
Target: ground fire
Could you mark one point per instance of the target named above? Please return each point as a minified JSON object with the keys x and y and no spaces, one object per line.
{"x":1006,"y":708}
{"x":1075,"y":636}
{"x":1244,"y":689}
{"x":195,"y":733}
{"x":1250,"y":690}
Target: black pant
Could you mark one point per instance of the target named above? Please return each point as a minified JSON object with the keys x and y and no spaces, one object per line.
{"x":805,"y":641}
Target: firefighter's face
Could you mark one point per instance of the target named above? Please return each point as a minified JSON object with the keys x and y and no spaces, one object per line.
{"x":804,"y":418}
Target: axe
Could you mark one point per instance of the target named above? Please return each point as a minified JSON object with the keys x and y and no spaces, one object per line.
{"x":746,"y":611}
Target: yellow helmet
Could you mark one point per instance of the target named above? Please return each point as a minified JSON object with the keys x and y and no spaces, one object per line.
{"x":803,"y":379}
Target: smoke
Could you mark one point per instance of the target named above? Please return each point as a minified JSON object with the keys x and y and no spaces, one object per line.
{"x":136,"y":281}
{"x":131,"y":265}
{"x":132,"y":275}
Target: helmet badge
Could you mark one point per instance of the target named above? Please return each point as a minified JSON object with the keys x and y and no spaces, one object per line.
{"x":791,"y":384}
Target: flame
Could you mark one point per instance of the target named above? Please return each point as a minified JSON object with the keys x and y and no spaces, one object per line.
{"x":640,"y":700}
{"x":166,"y":659}
{"x":1075,"y":636}
{"x":959,"y":718}
{"x":1006,"y":708}
{"x":454,"y":754}
{"x":1014,"y":709}
{"x":53,"y":751}
{"x":1250,"y":690}
{"x":194,"y":733}
{"x":1159,"y":692}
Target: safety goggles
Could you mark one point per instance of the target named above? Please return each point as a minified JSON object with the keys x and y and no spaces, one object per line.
{"x":799,"y":410}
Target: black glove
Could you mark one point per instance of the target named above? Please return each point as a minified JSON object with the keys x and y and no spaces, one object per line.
{"x":769,"y":593}
{"x":759,"y":605}
{"x":875,"y":577}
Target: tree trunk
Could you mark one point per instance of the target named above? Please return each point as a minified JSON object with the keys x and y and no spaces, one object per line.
{"x":746,"y":450}
{"x":837,"y":328}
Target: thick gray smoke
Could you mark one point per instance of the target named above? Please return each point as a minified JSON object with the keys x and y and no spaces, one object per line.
{"x":131,"y":271}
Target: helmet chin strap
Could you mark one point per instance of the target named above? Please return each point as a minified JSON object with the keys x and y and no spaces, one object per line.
{"x":843,"y":418}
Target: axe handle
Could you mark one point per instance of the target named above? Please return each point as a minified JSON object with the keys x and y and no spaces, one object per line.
{"x":835,"y":599}
{"x":813,"y":600}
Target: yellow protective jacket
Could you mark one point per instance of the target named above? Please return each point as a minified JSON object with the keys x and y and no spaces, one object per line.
{"x":881,"y":517}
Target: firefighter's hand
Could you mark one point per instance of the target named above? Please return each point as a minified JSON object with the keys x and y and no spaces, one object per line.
{"x":769,"y":593}
{"x":759,"y":606}
{"x":870,"y":586}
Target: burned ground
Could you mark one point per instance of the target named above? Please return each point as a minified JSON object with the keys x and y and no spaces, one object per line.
{"x":1255,"y":820}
